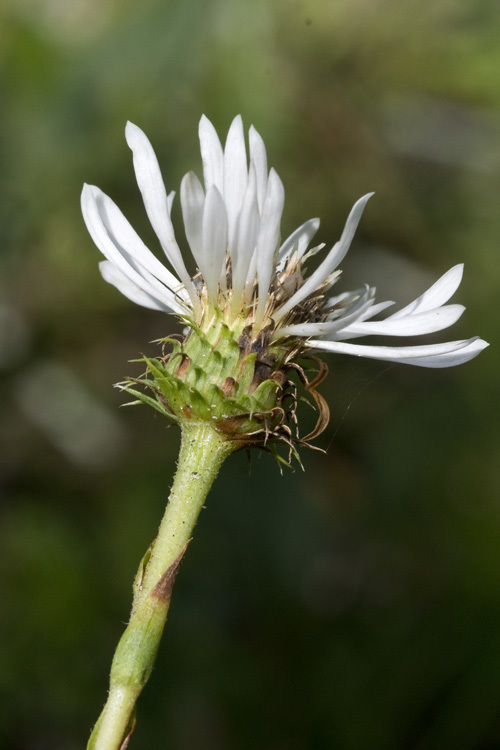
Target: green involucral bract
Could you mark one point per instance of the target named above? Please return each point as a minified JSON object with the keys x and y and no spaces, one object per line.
{"x":227,"y":375}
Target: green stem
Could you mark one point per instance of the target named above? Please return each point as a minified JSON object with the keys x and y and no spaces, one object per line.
{"x":202,"y":453}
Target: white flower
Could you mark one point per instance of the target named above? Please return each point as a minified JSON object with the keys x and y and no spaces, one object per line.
{"x":233,"y":228}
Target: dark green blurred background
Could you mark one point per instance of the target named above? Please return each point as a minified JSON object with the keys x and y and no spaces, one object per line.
{"x":356,"y":604}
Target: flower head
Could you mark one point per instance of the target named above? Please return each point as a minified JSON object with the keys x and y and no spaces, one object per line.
{"x":250,"y":289}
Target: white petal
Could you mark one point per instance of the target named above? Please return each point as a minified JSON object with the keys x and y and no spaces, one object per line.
{"x":331,"y":261}
{"x":433,"y":355}
{"x":192,"y":202}
{"x":130,"y":260}
{"x":247,"y":230}
{"x":235,"y":173}
{"x":437,"y":295}
{"x":413,"y":325}
{"x":326,"y":328}
{"x":126,"y":240}
{"x":114,"y":276}
{"x":359,"y":299}
{"x":154,"y":195}
{"x":268,"y":239}
{"x":251,"y":279}
{"x":298,"y":241}
{"x":305,"y":330}
{"x":338,"y":299}
{"x":214,"y":246}
{"x":376,"y":309}
{"x":340,"y":249}
{"x":259,"y":158}
{"x":353,"y":312}
{"x":212,"y":155}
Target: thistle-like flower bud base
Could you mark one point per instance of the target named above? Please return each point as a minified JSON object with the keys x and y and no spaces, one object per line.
{"x":228,"y":375}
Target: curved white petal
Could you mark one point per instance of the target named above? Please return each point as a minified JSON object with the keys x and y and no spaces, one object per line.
{"x":351,"y":302}
{"x":235,"y":173}
{"x":192,"y":202}
{"x":298,"y":241}
{"x":123,"y":236}
{"x":448,"y":354}
{"x":258,"y":157}
{"x":331,"y":261}
{"x":345,"y":316}
{"x":151,"y":185}
{"x":247,"y":232}
{"x":132,"y":258}
{"x":413,"y":325}
{"x":114,"y":276}
{"x":214,"y":246}
{"x":212,"y":155}
{"x":376,"y":309}
{"x":340,"y":249}
{"x":268,"y":240}
{"x":250,"y":280}
{"x":338,"y":303}
{"x":359,"y":304}
{"x":438,"y":294}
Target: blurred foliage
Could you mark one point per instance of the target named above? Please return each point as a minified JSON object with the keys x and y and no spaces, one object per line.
{"x":353,"y":605}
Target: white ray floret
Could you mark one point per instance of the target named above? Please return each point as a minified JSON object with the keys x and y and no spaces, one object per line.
{"x":232,"y":223}
{"x":149,"y":179}
{"x":434,"y":355}
{"x":297,"y":242}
